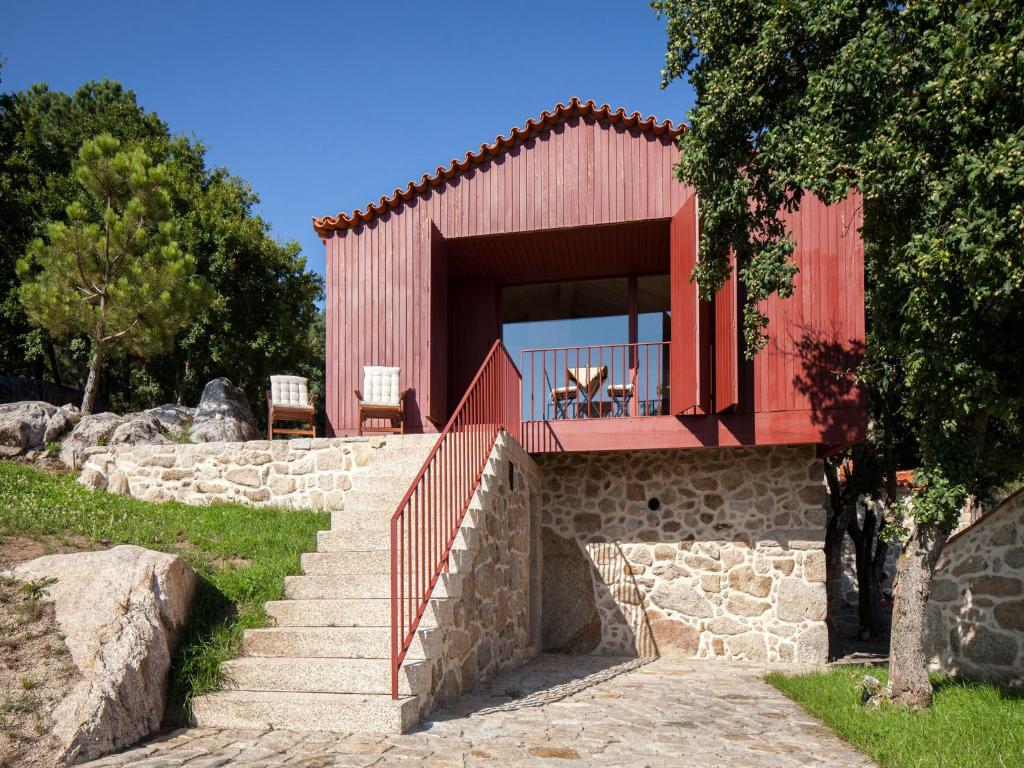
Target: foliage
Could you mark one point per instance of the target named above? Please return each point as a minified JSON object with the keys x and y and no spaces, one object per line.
{"x":242,"y":554}
{"x":41,"y":132}
{"x":969,"y":725}
{"x":114,"y":272}
{"x":917,"y":105}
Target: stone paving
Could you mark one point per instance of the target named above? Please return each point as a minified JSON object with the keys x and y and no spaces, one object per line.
{"x":555,"y":711}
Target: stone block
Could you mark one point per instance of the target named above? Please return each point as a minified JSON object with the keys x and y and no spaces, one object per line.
{"x":1010,"y":615}
{"x":1000,"y":586}
{"x":243,"y":476}
{"x":751,"y":646}
{"x":327,"y":461}
{"x":812,"y":644}
{"x":711,"y":582}
{"x":683,"y":599}
{"x":744,"y":605}
{"x":674,"y":639}
{"x":799,"y":600}
{"x":746,"y":580}
{"x":280,"y":485}
{"x":987,"y":646}
{"x":814,"y":566}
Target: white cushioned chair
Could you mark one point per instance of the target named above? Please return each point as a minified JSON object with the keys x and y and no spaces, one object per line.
{"x":288,"y":399}
{"x":380,"y":398}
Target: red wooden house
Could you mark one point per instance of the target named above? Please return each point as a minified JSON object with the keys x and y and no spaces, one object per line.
{"x":681,"y":481}
{"x":584,"y":201}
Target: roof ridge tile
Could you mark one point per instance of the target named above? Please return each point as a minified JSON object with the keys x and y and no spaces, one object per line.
{"x":548,"y":118}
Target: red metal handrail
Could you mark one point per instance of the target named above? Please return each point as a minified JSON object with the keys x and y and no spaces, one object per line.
{"x":427,"y":520}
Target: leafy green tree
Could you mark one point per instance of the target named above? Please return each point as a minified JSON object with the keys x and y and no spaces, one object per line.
{"x":114,"y":271}
{"x":41,"y":132}
{"x":918,"y":106}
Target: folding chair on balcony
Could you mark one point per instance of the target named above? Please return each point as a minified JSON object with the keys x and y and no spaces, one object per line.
{"x":380,"y":398}
{"x":288,"y":399}
{"x":620,"y":395}
{"x":562,"y":398}
{"x":588,"y":382}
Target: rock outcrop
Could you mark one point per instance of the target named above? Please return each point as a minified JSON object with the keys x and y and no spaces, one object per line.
{"x":107,"y":428}
{"x":223,"y":415}
{"x":174,"y":419}
{"x":121,"y":612}
{"x":23,"y":426}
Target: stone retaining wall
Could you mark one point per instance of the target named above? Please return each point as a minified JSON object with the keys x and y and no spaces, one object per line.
{"x":976,"y":608}
{"x":490,"y":627}
{"x":710,"y":553}
{"x":307,"y":473}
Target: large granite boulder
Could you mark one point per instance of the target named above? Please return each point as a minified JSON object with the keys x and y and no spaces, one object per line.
{"x":570,"y":620}
{"x":94,"y":429}
{"x":223,"y":415}
{"x":174,"y":419}
{"x":122,"y":612}
{"x":138,"y":429}
{"x":63,"y":420}
{"x":23,"y":426}
{"x":107,"y":428}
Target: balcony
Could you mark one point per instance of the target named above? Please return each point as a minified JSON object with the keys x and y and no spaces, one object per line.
{"x":600,"y":381}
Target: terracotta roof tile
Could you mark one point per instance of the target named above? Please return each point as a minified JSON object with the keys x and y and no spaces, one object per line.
{"x":560,"y":113}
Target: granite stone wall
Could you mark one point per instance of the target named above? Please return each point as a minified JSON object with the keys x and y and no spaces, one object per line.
{"x":707,"y":553}
{"x":488,"y":626}
{"x":976,"y":608}
{"x":306,"y":473}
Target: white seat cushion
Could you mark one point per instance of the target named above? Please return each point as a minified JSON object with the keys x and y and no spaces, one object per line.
{"x":289,"y":390}
{"x":380,"y":385}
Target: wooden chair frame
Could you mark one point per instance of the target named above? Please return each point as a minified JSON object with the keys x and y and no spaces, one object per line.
{"x":395,"y":413}
{"x":294,"y":413}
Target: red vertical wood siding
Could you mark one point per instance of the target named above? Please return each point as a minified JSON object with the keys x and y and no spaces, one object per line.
{"x":684,"y":373}
{"x":727,"y":347}
{"x":438,"y":412}
{"x":381,"y":280}
{"x":474,"y":326}
{"x":816,"y":334}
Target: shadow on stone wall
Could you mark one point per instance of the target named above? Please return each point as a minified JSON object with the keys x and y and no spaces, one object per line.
{"x":711,"y":553}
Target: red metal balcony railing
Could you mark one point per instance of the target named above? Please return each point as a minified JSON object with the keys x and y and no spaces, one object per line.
{"x":427,"y":520}
{"x":596,"y":381}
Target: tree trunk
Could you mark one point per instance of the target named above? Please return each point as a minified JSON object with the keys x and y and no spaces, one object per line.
{"x":835,"y":534}
{"x":54,"y":366}
{"x":908,"y":668}
{"x":869,"y":589}
{"x":877,"y":572}
{"x":92,"y":384}
{"x":840,"y":512}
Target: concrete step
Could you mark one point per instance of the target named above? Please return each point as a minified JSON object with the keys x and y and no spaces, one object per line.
{"x":317,"y":675}
{"x":348,"y":562}
{"x":366,"y":585}
{"x":358,"y":537}
{"x":335,"y":642}
{"x":280,"y":710}
{"x":367,"y":612}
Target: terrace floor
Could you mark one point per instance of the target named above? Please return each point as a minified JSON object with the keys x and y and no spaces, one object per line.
{"x":556,"y":711}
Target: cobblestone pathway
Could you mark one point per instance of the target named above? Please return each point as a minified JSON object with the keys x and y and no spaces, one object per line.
{"x":556,"y":711}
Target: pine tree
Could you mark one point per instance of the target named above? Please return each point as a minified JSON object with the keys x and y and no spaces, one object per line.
{"x":114,"y":271}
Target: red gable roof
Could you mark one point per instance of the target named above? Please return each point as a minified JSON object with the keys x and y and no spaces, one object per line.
{"x":561,"y":113}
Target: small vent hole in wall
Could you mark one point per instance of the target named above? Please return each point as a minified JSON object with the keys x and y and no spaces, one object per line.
{"x":511,"y":476}
{"x":654,"y":503}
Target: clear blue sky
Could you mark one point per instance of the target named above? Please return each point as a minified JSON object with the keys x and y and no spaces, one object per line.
{"x":326,"y":106}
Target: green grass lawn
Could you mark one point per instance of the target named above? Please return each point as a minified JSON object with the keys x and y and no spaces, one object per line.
{"x":969,"y":725}
{"x":242,"y":554}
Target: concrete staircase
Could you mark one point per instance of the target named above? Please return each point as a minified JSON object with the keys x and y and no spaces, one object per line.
{"x":326,"y":666}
